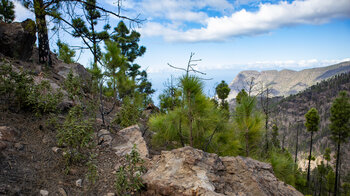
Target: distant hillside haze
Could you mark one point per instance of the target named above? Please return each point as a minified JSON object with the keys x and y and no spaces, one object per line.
{"x":285,"y":82}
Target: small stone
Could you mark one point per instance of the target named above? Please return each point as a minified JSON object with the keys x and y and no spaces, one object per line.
{"x":19,"y":146}
{"x":62,"y":192}
{"x":45,"y":139}
{"x":55,"y":149}
{"x":44,"y":192}
{"x":3,"y":145}
{"x":110,"y":194}
{"x":104,"y":137}
{"x":78,"y":183}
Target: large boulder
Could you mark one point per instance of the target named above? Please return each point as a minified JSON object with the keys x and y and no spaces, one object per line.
{"x":127,"y":138}
{"x":188,"y":171}
{"x":17,"y":39}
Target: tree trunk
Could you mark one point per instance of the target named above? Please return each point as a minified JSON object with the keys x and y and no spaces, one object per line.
{"x":308,"y":168}
{"x":43,"y":38}
{"x":337,"y":168}
{"x":296,"y":146}
{"x":180,"y":134}
{"x":246,"y":143}
{"x":94,"y":42}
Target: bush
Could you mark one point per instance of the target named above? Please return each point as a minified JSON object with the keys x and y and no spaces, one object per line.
{"x":76,"y":135}
{"x":15,"y":86}
{"x":42,"y":99}
{"x":130,"y":111}
{"x":128,"y":177}
{"x":73,"y":87}
{"x":39,"y":98}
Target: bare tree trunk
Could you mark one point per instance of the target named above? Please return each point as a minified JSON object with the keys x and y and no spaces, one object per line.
{"x":43,"y":38}
{"x":180,"y":134}
{"x":247,"y":143}
{"x":296,"y":145}
{"x":308,"y":168}
{"x":337,"y":168}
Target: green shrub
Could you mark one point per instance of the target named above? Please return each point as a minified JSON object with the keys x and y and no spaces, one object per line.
{"x":92,"y":173}
{"x":42,"y":99}
{"x":72,"y":85}
{"x":15,"y":86}
{"x":130,"y":111}
{"x":128,"y":177}
{"x":76,"y":135}
{"x":283,"y":166}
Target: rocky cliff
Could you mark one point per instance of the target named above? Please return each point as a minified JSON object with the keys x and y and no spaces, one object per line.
{"x":289,"y":115}
{"x":285,"y":82}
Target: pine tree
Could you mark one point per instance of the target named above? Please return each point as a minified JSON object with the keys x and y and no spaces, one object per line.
{"x":241,"y":94}
{"x":222,"y":90}
{"x":275,"y":134}
{"x":7,"y":13}
{"x":249,"y":122}
{"x":340,"y":127}
{"x":86,"y":29}
{"x":196,"y":120}
{"x":65,"y":53}
{"x":312,"y":122}
{"x":128,"y":43}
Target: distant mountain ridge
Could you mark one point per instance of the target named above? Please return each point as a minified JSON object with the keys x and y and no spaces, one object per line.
{"x":285,"y":82}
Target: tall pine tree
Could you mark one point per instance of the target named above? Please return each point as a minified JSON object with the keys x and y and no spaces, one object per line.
{"x":340,"y":127}
{"x":312,"y":122}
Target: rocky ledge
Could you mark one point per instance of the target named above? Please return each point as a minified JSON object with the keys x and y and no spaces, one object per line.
{"x":189,"y":171}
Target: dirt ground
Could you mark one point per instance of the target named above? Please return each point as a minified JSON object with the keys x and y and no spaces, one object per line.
{"x":29,"y":164}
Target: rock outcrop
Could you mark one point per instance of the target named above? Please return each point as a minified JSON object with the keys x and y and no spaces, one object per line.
{"x":188,"y":171}
{"x":17,"y":39}
{"x":284,"y":82}
{"x":127,"y":138}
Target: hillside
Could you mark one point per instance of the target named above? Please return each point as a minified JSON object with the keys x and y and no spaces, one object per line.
{"x":57,"y":139}
{"x":285,"y":82}
{"x":289,"y":114}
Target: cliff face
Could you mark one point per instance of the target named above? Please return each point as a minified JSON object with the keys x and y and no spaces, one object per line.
{"x":285,"y":82}
{"x":289,"y":114}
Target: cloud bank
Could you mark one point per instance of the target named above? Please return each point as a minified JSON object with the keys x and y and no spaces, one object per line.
{"x":238,"y":23}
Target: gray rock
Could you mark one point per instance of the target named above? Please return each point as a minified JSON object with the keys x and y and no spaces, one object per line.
{"x":19,"y":146}
{"x":44,"y":192}
{"x":79,"y":183}
{"x":55,"y":149}
{"x":62,"y":192}
{"x":127,"y":138}
{"x":17,"y":39}
{"x":188,"y":171}
{"x":104,"y":137}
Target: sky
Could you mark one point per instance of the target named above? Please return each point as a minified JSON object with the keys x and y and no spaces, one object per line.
{"x":230,"y":36}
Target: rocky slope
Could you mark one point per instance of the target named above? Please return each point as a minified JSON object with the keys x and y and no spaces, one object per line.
{"x":31,"y":163}
{"x":285,"y":82}
{"x":289,"y":115}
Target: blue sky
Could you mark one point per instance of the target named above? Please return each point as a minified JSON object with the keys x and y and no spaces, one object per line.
{"x":233,"y":35}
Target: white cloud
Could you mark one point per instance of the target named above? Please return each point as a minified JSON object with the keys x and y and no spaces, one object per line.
{"x":21,"y":12}
{"x":243,"y":22}
{"x":292,"y":64}
{"x":260,"y":65}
